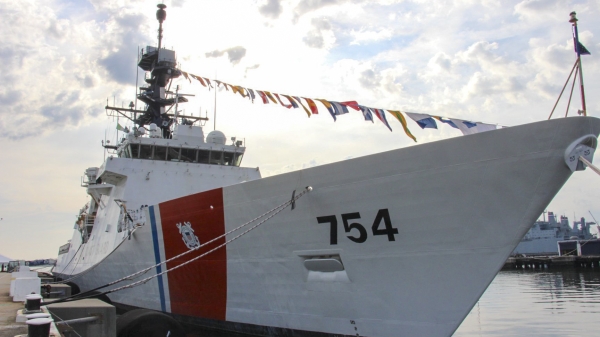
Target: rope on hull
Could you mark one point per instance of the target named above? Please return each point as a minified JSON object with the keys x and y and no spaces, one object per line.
{"x":271,"y":213}
{"x":589,"y":164}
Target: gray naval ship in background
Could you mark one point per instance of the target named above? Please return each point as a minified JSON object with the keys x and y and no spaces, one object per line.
{"x":543,"y":237}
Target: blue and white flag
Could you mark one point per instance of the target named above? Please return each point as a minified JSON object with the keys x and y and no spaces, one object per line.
{"x":366,"y":113}
{"x":423,"y":120}
{"x":381,"y":115}
{"x":469,"y":128}
{"x":251,"y":94}
{"x":447,"y":121}
{"x":339,"y":109}
{"x":469,"y":124}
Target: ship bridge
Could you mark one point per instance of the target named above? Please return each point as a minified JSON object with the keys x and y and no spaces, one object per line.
{"x":187,"y":144}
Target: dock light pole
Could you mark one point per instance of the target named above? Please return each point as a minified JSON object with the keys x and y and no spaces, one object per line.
{"x":574,"y":20}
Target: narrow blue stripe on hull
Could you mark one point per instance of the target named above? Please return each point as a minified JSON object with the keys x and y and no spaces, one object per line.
{"x":161,"y":290}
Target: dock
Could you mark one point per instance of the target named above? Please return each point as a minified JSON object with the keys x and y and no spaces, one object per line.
{"x":8,"y":310}
{"x":551,"y":262}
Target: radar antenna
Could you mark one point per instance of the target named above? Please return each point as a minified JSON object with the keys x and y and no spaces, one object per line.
{"x":161,"y":15}
{"x":161,"y":64}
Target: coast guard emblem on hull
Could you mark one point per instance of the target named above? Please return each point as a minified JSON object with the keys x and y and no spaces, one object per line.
{"x":187,"y":235}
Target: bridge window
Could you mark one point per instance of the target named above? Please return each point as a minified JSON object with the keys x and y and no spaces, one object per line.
{"x":146,"y":151}
{"x":135,"y":150}
{"x":160,"y":153}
{"x":227,"y":158}
{"x":188,"y":155}
{"x":216,"y":157}
{"x":153,"y":152}
{"x":237,"y":161}
{"x":173,"y":154}
{"x":203,"y":156}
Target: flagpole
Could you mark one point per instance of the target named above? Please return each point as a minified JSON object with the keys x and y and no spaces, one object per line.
{"x":215,"y":107}
{"x":574,"y":20}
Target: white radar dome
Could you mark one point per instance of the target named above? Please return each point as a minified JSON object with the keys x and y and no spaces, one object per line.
{"x":216,"y":137}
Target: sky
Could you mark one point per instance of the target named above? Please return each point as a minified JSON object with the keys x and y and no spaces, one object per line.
{"x":499,"y":62}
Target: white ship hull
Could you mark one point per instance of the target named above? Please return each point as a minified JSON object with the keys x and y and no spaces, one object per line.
{"x":460,"y":207}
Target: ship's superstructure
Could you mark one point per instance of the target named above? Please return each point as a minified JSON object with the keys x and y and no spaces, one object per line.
{"x":543,"y":237}
{"x":164,"y":156}
{"x":338,"y":251}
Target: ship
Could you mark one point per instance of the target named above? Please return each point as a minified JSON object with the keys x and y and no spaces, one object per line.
{"x":543,"y":237}
{"x":397,"y":243}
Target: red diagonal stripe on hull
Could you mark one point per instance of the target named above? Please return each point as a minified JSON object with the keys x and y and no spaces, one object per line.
{"x":199,"y":288}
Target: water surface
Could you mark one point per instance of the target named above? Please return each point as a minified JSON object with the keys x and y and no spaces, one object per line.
{"x":537,"y":303}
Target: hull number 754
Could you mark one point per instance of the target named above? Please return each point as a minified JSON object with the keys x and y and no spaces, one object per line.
{"x":359,"y":235}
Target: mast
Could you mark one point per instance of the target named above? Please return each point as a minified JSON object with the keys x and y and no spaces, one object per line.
{"x":161,"y":15}
{"x":161,"y":63}
{"x":215,"y":111}
{"x":573,"y":21}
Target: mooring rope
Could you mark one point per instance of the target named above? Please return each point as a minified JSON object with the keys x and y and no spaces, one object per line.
{"x":71,"y":260}
{"x":272,"y":213}
{"x":62,"y":320}
{"x":80,"y":256}
{"x":308,"y":189}
{"x":590,"y":165}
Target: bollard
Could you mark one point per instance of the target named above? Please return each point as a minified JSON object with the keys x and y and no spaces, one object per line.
{"x":38,"y":327}
{"x":38,"y":315}
{"x":33,"y":302}
{"x":46,"y":289}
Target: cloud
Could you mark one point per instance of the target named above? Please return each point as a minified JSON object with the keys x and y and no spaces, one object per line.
{"x":178,"y":3}
{"x":119,"y":66}
{"x":124,"y":33}
{"x":306,"y":6}
{"x":366,"y":35}
{"x":63,"y":60}
{"x":250,"y":68}
{"x":440,"y":61}
{"x":272,"y":9}
{"x":369,"y":79}
{"x":481,"y":84}
{"x":8,"y":97}
{"x":315,"y":37}
{"x":480,"y":52}
{"x":321,"y":23}
{"x":235,"y":54}
{"x":59,"y":28}
{"x":377,"y":82}
{"x":58,"y":114}
{"x":552,"y":55}
{"x":539,"y":10}
{"x":215,"y":53}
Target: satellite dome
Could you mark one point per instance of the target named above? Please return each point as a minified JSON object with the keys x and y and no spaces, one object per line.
{"x":216,"y":137}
